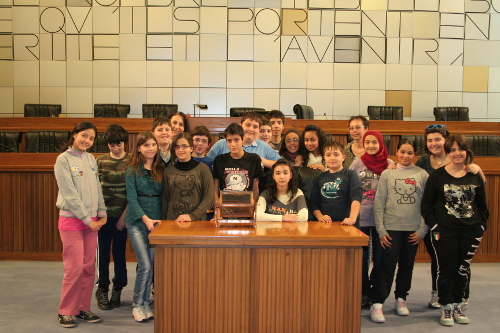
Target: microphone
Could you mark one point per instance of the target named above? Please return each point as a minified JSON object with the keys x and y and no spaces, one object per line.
{"x":325,"y":115}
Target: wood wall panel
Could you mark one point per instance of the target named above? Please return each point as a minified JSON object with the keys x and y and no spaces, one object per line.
{"x":28,"y":217}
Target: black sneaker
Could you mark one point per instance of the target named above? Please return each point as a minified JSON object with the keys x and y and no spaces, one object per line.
{"x":102,"y":299}
{"x":65,"y":321}
{"x":88,"y":316}
{"x":115,"y":297}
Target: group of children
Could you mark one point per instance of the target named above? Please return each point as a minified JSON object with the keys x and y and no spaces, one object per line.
{"x":168,"y":177}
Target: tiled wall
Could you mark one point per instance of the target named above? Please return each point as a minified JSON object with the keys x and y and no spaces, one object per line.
{"x":338,"y":56}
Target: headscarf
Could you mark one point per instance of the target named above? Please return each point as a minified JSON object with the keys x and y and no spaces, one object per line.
{"x":377,"y":162}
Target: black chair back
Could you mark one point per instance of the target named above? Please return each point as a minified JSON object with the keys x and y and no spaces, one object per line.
{"x":451,"y":113}
{"x":9,"y":142}
{"x":239,"y":111}
{"x":155,"y":110}
{"x":42,"y":110}
{"x":111,"y":110}
{"x":303,"y":111}
{"x":385,"y":112}
{"x":45,"y":141}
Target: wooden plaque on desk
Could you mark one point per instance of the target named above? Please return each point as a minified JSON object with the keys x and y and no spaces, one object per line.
{"x":235,"y":209}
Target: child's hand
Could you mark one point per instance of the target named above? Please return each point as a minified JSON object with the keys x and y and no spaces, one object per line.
{"x":290,"y":218}
{"x":298,"y":160}
{"x":183,"y":218}
{"x":150,"y":224}
{"x":326,"y":218}
{"x":385,"y":241}
{"x":94,"y":225}
{"x":473,"y":168}
{"x":121,"y":224}
{"x":317,"y":166}
{"x":415,"y":239}
{"x":392,"y":165}
{"x":348,"y":221}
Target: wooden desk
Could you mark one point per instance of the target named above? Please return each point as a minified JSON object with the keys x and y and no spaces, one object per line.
{"x":278,"y":277}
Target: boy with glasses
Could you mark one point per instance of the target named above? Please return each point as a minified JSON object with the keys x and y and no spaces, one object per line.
{"x":202,"y":139}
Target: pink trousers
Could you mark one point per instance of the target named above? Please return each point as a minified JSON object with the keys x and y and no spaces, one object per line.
{"x":79,"y":250}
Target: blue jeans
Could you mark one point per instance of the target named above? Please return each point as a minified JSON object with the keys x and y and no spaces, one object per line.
{"x":145,"y":259}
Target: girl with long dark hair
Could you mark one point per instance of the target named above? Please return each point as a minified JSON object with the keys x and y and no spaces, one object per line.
{"x":282,"y":200}
{"x":82,"y":213}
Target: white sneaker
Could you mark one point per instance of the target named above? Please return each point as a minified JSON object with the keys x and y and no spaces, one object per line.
{"x":447,"y":315}
{"x":376,"y":314}
{"x":400,"y":306}
{"x":147,"y":311}
{"x":139,"y":315}
{"x":464,"y":304}
{"x":434,"y":303}
{"x":458,"y":315}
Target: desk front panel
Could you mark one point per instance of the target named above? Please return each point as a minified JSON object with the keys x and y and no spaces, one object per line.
{"x":252,"y":285}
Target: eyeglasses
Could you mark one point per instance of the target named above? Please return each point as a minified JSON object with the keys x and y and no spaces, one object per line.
{"x":183,"y":147}
{"x":201,"y":140}
{"x":436,"y":126}
{"x":292,"y":140}
{"x":352,"y":128}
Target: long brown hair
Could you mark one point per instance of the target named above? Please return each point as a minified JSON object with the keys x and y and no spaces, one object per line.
{"x":284,"y":152}
{"x":136,"y":160}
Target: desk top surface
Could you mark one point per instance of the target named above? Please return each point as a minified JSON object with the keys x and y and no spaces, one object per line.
{"x":265,"y":234}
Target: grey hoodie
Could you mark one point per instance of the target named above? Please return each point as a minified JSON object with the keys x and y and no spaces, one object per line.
{"x":80,"y":193}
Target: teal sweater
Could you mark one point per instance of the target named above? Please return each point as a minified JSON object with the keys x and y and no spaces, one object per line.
{"x":139,"y":204}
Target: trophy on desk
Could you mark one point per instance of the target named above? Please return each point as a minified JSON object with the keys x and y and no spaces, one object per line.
{"x":235,"y":209}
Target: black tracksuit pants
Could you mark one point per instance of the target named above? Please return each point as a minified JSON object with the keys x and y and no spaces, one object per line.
{"x":454,"y":249}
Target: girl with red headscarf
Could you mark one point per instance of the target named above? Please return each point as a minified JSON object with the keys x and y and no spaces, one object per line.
{"x":369,"y":167}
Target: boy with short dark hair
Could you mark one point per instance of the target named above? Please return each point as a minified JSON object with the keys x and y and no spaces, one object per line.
{"x":237,"y":170}
{"x":250,"y":122}
{"x":112,"y":237}
{"x":277,"y":120}
{"x":162,"y":132}
{"x":336,"y":193}
{"x":265,"y":131}
{"x":202,"y":139}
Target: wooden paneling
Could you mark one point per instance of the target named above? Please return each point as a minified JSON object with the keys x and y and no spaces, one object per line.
{"x":219,"y":124}
{"x":249,"y":287}
{"x":28,"y":216}
{"x":132,"y":125}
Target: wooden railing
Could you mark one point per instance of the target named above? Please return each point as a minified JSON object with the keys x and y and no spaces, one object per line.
{"x":28,"y":190}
